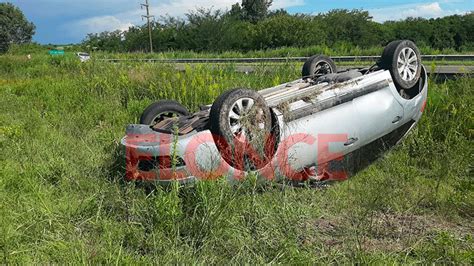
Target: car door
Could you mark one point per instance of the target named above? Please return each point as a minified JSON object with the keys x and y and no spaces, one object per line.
{"x":378,"y":113}
{"x":322,"y":137}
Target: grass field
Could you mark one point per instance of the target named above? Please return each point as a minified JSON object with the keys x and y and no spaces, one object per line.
{"x":337,"y":50}
{"x":63,"y":198}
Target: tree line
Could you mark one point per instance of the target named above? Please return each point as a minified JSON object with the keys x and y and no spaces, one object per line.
{"x":252,"y":26}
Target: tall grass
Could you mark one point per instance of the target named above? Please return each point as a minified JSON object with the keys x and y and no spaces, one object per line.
{"x":63,"y":198}
{"x":341,"y":49}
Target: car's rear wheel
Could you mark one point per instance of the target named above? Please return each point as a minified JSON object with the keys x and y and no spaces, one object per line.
{"x":403,"y":60}
{"x":241,"y":125}
{"x":317,"y":66}
{"x":160,"y":110}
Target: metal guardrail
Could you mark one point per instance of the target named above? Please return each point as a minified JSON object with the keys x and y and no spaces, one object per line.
{"x":442,"y":72}
{"x":284,"y":59}
{"x":438,"y":70}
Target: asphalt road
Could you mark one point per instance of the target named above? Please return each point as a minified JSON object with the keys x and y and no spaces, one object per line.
{"x":448,"y":71}
{"x":283,"y":59}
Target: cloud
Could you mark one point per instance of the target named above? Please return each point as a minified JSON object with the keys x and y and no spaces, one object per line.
{"x":102,"y":23}
{"x":428,"y":10}
{"x":277,"y":4}
{"x":424,"y":10}
{"x":80,"y":28}
{"x":181,"y":7}
{"x":123,"y":20}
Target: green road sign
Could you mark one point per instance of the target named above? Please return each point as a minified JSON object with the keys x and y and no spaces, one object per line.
{"x":56,"y":52}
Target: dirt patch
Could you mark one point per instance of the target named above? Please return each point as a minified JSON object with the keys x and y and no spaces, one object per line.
{"x":386,"y":232}
{"x":284,"y":108}
{"x":396,"y":232}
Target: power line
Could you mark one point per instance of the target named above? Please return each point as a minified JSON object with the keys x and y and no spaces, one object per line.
{"x":148,"y":17}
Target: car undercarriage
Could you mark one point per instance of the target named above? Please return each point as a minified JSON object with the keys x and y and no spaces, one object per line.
{"x":326,"y":125}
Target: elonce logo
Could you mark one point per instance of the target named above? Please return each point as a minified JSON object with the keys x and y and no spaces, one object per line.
{"x":168,"y":163}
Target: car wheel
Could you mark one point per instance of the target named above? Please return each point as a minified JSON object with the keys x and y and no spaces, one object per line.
{"x":241,"y":125}
{"x":403,"y":60}
{"x":160,"y":110}
{"x":317,"y":66}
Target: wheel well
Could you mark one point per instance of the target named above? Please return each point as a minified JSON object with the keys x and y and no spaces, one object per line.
{"x":276,"y":132}
{"x":416,"y":89}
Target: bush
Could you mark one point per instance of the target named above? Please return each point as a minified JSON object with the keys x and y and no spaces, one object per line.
{"x":207,"y":30}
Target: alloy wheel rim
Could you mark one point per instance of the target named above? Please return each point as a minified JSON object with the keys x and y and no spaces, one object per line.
{"x":239,"y":117}
{"x":322,"y":68}
{"x":407,"y":64}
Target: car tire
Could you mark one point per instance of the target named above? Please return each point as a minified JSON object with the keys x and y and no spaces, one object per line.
{"x":160,"y":110}
{"x":402,"y":58}
{"x":317,"y":66}
{"x":241,"y":125}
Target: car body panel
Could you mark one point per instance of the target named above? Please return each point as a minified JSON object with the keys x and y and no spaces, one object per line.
{"x":377,"y":113}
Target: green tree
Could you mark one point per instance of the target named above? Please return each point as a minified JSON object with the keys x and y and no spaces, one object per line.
{"x":251,"y":26}
{"x":283,"y":30}
{"x":204,"y":29}
{"x":14,"y":27}
{"x":136,"y":39}
{"x":255,"y":10}
{"x":354,"y":27}
{"x":107,"y":41}
{"x":237,"y":35}
{"x":236,"y":11}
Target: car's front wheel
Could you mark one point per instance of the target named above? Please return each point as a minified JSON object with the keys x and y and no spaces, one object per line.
{"x":241,"y":125}
{"x":402,"y":58}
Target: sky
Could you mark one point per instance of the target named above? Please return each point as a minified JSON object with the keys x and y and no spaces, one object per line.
{"x":69,"y":21}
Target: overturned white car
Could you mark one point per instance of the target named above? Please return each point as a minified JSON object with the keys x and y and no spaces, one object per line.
{"x":325,"y":126}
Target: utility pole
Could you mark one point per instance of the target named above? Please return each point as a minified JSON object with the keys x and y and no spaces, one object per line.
{"x":148,"y":17}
